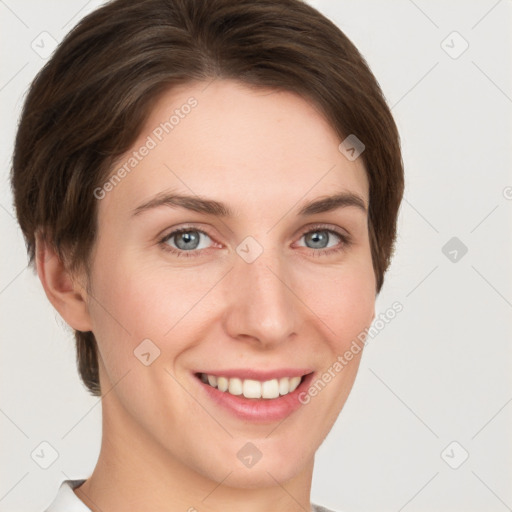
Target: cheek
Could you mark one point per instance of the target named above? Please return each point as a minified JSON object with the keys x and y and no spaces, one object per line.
{"x":134,"y":301}
{"x":344,"y":303}
{"x":344,"y":299}
{"x":352,"y":306}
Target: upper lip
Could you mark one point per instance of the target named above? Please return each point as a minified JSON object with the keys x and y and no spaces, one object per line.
{"x":262,"y":375}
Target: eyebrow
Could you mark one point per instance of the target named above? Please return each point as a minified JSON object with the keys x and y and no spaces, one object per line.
{"x":218,"y":209}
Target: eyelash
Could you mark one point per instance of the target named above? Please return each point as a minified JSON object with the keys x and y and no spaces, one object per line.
{"x":346,"y":242}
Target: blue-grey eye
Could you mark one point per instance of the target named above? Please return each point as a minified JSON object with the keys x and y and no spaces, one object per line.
{"x":186,"y":240}
{"x":319,"y":238}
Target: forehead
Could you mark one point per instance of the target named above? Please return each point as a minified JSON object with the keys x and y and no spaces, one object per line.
{"x":225,"y":140}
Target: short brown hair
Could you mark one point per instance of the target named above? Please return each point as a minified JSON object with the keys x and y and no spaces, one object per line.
{"x":88,"y":104}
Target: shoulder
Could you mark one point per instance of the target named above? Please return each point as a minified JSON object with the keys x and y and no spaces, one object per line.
{"x":66,"y":500}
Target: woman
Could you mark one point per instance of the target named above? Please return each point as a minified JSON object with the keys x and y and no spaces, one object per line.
{"x":209,"y":192}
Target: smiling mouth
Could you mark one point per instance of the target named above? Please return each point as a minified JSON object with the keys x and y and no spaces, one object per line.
{"x":250,"y":388}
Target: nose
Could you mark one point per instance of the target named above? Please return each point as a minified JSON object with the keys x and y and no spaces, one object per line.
{"x":262,"y":305}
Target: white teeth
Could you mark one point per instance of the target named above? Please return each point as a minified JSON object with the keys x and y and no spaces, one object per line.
{"x":222,"y":383}
{"x":284,"y":386}
{"x":294,"y":382}
{"x":235,"y":386}
{"x":270,"y":389}
{"x":250,"y":388}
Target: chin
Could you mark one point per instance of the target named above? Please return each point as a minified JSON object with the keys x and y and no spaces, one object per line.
{"x":277,"y":463}
{"x":260,"y":476}
{"x":271,"y":462}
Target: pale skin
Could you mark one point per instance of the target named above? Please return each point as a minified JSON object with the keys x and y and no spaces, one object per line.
{"x":264,"y":154}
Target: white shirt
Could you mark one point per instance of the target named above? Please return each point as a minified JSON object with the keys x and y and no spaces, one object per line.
{"x":67,"y":501}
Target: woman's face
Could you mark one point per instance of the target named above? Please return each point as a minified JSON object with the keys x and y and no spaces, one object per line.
{"x":257,"y":290}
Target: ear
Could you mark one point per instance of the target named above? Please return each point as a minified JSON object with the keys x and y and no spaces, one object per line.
{"x":64,"y":291}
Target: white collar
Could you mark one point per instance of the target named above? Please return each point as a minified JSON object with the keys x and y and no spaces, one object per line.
{"x":66,"y":500}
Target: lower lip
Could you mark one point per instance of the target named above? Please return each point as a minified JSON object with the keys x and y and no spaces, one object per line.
{"x":261,"y":410}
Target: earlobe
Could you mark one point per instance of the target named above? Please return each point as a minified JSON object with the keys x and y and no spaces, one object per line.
{"x":63,"y":290}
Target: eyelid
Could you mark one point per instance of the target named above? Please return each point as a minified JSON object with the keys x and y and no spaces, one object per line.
{"x":328,"y":227}
{"x":166,"y":233}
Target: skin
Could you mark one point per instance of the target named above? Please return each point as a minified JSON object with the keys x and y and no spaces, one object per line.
{"x":165,"y":446}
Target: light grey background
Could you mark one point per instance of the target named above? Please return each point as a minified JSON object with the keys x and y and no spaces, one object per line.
{"x":438,"y":373}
